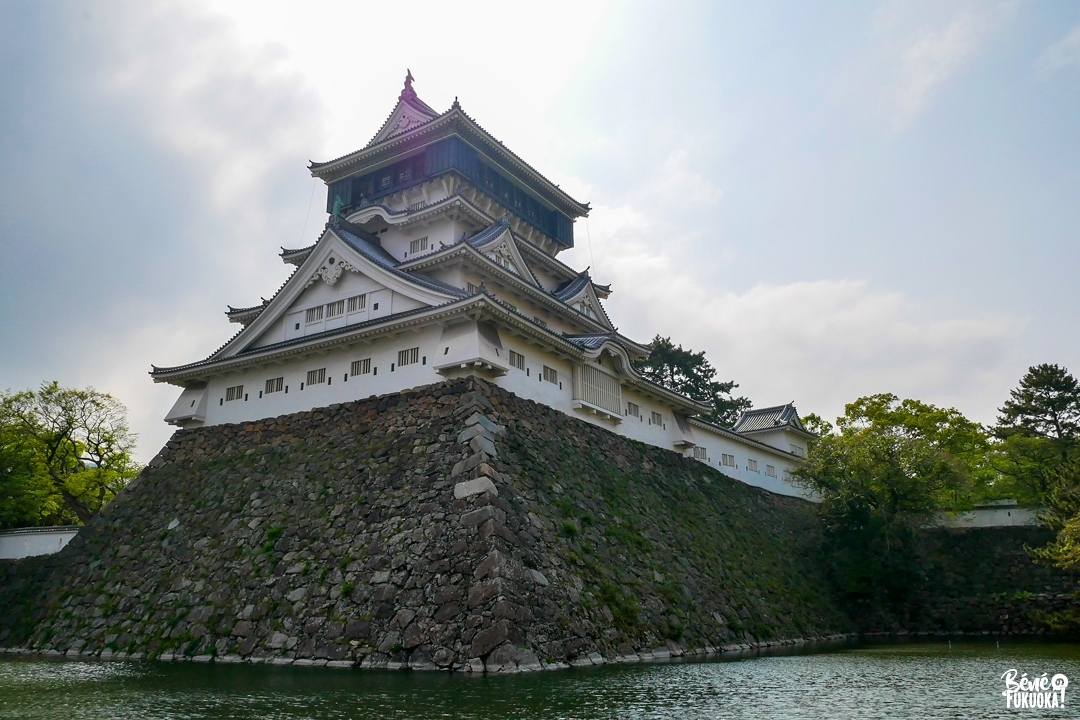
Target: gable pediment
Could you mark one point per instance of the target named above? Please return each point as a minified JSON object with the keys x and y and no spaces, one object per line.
{"x":335,"y":272}
{"x":588,"y":304}
{"x":409,"y":113}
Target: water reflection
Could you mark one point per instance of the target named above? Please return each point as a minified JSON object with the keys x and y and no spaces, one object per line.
{"x":919,"y":680}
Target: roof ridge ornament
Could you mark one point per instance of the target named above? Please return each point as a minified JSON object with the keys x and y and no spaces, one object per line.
{"x":407,"y":92}
{"x":505,"y":221}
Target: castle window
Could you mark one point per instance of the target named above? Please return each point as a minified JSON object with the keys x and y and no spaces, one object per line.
{"x":335,"y":309}
{"x":770,"y":471}
{"x":787,"y":475}
{"x":418,"y":245}
{"x":234,"y":393}
{"x":551,"y":375}
{"x":657,"y":419}
{"x":517,"y":360}
{"x":751,"y":465}
{"x":357,"y":303}
{"x":727,"y":460}
{"x":633,"y":410}
{"x":386,"y":182}
{"x":360,"y":367}
{"x":701,"y":453}
{"x":471,"y":289}
{"x":275,"y":384}
{"x":313,"y":315}
{"x":795,"y":449}
{"x":315,"y":377}
{"x":408,"y":357}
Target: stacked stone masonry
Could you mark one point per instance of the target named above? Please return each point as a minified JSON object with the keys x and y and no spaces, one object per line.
{"x":454,"y":527}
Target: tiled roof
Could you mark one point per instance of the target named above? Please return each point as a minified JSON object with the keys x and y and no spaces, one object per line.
{"x":591,"y":342}
{"x":769,"y":418}
{"x":489,"y":233}
{"x":306,"y":338}
{"x":570,"y":288}
{"x":367,"y":245}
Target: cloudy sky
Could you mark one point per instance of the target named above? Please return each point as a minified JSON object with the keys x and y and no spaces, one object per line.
{"x":832,"y":199}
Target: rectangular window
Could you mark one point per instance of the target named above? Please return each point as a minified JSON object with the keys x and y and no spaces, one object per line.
{"x":357,"y":303}
{"x":314,"y":377}
{"x":360,"y":367}
{"x":787,"y":475}
{"x":551,"y":375}
{"x":657,"y":419}
{"x":313,"y":315}
{"x":408,"y":357}
{"x":335,"y":309}
{"x":751,"y":465}
{"x":727,"y":460}
{"x":796,"y":450}
{"x":418,"y":245}
{"x":517,"y":360}
{"x":275,"y":384}
{"x":234,"y":393}
{"x":633,"y":410}
{"x":701,"y":453}
{"x":770,"y":471}
{"x":471,"y":289}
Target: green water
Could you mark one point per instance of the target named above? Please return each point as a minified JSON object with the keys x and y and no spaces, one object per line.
{"x":917,"y":680}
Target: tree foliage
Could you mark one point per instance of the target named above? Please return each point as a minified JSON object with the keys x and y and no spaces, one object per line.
{"x":689,"y":373}
{"x":881,"y":474}
{"x":1038,"y":430}
{"x":64,"y":453}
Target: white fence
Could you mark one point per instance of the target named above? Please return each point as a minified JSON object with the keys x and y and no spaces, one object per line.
{"x":26,"y":542}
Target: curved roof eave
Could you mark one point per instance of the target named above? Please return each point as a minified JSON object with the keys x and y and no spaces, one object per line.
{"x":455,"y":116}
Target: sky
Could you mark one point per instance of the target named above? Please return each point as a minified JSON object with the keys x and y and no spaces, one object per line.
{"x":830,"y":199}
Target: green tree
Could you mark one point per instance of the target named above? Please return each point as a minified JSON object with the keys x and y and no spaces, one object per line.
{"x":1038,"y":430}
{"x":881,"y":474}
{"x":689,"y":373}
{"x":71,"y":450}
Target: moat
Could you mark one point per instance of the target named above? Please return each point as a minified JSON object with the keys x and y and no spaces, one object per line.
{"x":903,"y":680}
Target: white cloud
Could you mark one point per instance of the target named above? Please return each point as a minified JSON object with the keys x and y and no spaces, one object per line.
{"x":1062,"y":54}
{"x":915,"y":49}
{"x":820,"y":343}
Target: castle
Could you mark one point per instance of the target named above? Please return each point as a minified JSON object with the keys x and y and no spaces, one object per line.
{"x":440,"y":260}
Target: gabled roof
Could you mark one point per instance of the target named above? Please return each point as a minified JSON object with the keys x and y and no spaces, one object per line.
{"x":368,"y":245}
{"x":389,"y":142}
{"x":246,"y":314}
{"x":409,"y":113}
{"x":582,"y":288}
{"x":770,"y":418}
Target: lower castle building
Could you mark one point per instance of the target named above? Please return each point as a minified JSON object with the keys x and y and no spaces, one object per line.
{"x":439,"y":260}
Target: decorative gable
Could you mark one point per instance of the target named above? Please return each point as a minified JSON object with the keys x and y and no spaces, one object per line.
{"x":410,"y":112}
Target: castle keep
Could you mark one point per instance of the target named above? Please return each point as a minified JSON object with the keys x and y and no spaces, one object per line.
{"x":440,"y":260}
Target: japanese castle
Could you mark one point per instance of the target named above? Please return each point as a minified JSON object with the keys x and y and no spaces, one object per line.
{"x":439,"y":260}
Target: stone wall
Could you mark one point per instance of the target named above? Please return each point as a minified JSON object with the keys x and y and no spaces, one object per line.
{"x":454,"y":526}
{"x":979,"y":581}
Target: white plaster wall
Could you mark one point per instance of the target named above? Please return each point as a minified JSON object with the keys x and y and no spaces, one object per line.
{"x":15,"y":544}
{"x":989,"y":517}
{"x":717,"y":444}
{"x":527,"y":383}
{"x":338,"y":389}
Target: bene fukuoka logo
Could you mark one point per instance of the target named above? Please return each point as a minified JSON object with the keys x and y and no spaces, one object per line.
{"x":1034,"y":692}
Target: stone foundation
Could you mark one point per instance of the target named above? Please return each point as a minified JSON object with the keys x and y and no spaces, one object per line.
{"x":451,"y":527}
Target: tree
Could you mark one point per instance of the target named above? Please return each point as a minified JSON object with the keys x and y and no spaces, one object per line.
{"x":689,"y":373}
{"x":880,"y":476}
{"x":73,"y":445}
{"x":1038,"y":429}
